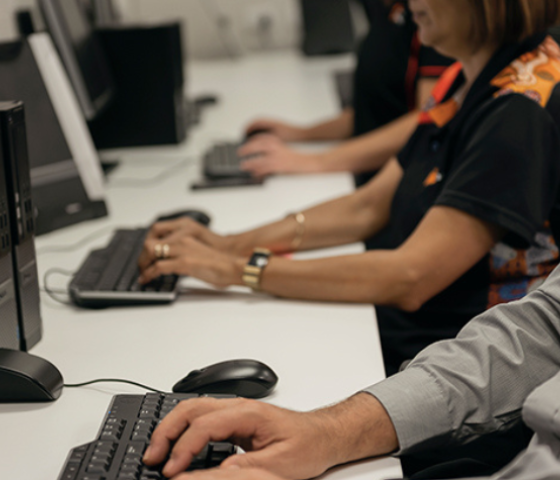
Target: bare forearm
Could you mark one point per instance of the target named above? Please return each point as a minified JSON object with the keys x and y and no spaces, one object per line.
{"x":338,"y":128}
{"x":372,"y":150}
{"x":343,"y":220}
{"x":362,"y":429}
{"x":374,"y":277}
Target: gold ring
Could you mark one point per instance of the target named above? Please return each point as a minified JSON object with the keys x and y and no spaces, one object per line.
{"x":165,"y":251}
{"x":158,"y":252}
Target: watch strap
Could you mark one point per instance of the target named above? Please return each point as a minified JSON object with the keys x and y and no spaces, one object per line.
{"x":252,"y":272}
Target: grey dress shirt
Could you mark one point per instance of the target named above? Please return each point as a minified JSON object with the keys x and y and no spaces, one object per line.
{"x":503,"y":367}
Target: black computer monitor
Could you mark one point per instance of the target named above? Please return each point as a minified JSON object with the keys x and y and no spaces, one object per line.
{"x":59,"y":193}
{"x":81,"y":54}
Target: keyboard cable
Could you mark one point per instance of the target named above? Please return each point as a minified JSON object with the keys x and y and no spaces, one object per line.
{"x":79,"y":244}
{"x":52,"y":292}
{"x":148,"y":182}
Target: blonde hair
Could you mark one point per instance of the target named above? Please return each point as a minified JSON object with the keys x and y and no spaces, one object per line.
{"x":509,"y":21}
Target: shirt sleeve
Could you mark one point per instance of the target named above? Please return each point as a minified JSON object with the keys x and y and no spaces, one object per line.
{"x":458,"y":390}
{"x":506,"y":171}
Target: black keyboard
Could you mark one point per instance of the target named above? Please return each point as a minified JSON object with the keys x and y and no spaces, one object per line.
{"x":109,"y":276}
{"x":222,"y":161}
{"x":116,"y":453}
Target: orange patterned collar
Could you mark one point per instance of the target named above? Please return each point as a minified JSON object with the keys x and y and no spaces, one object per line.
{"x":534,"y":74}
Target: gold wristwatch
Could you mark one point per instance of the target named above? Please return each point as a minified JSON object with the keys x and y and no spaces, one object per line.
{"x":252,"y":272}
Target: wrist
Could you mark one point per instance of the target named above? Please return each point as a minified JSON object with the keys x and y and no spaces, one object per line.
{"x":329,"y":161}
{"x":357,"y":428}
{"x":300,"y":134}
{"x":238,"y":266}
{"x":319,"y":162}
{"x":253,"y":269}
{"x":238,"y":244}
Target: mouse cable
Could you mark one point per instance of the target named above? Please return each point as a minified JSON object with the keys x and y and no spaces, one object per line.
{"x":112,"y":380}
{"x":54,"y":292}
{"x":148,"y":182}
{"x":79,"y":244}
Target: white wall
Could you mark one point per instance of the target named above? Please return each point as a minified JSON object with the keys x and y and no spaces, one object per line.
{"x":213,"y":27}
{"x":224,"y":27}
{"x":7,"y":24}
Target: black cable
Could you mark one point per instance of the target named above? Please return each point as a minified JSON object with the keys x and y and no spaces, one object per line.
{"x":147,"y":182}
{"x":77,"y":245}
{"x":112,"y":380}
{"x":53,"y":293}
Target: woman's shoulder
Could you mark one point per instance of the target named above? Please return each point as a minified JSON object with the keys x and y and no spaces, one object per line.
{"x":534,"y":75}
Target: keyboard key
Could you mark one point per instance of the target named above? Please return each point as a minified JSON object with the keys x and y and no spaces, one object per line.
{"x":121,"y":459}
{"x":114,"y":270}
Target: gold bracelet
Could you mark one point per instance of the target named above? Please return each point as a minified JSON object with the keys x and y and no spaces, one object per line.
{"x":300,"y":230}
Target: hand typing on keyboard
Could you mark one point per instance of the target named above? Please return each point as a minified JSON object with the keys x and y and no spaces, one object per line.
{"x":267,"y":154}
{"x":289,"y":444}
{"x":185,"y":247}
{"x":116,"y":453}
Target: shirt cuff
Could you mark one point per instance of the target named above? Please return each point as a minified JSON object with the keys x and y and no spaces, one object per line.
{"x":417,"y":407}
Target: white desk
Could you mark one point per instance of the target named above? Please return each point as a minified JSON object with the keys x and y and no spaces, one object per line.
{"x":321,"y":352}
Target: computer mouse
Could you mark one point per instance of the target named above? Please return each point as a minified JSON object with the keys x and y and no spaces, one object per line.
{"x":253,"y":133}
{"x":27,"y":378}
{"x":197,"y":215}
{"x":244,"y":378}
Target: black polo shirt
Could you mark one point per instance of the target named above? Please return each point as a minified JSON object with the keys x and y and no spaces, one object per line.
{"x":390,"y":62}
{"x":496,"y":158}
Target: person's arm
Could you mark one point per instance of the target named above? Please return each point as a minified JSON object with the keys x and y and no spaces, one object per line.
{"x":453,"y":390}
{"x":337,"y":128}
{"x":457,"y":390}
{"x":446,"y":244}
{"x":291,"y":444}
{"x":366,"y":152}
{"x":343,"y":220}
{"x":340,"y":221}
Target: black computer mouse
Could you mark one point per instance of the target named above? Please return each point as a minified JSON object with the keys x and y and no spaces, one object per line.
{"x":27,"y":378}
{"x":197,"y":215}
{"x":253,"y":133}
{"x":244,"y":378}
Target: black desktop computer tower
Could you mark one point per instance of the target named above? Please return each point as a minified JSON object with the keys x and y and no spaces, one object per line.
{"x":9,"y":330}
{"x":21,"y":221}
{"x":149,"y":106}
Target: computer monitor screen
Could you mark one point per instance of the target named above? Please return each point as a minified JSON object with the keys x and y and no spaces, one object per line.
{"x":62,"y":180}
{"x":81,"y":54}
{"x":20,"y":79}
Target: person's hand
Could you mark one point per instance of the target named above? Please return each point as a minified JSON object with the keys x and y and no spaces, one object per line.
{"x":187,"y":255}
{"x":174,"y":230}
{"x":268,"y":154}
{"x":231,"y":473}
{"x":284,"y":131}
{"x":293,"y":445}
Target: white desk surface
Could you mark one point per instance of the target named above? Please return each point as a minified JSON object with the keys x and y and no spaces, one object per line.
{"x":321,"y":352}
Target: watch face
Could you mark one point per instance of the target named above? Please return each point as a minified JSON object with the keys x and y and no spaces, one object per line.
{"x":262,"y":261}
